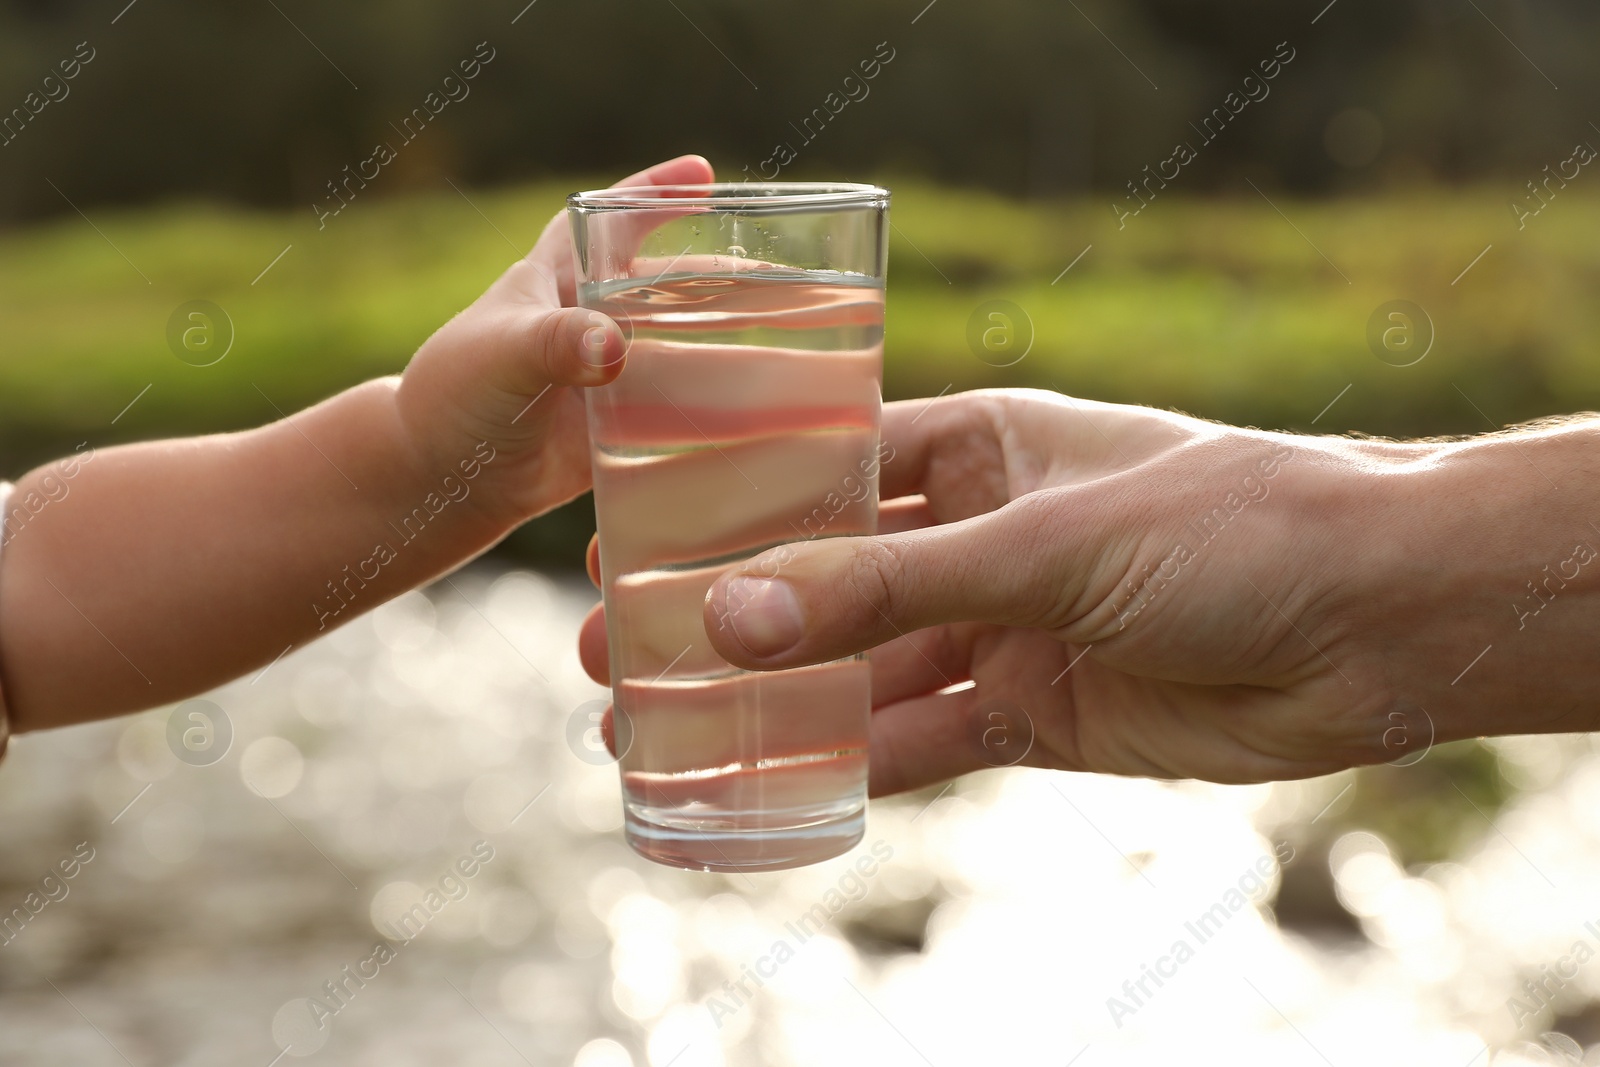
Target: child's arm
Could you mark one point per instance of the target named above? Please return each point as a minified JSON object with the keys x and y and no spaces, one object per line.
{"x":154,"y":571}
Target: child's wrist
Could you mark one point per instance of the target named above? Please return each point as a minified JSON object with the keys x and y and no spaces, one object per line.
{"x":443,"y":477}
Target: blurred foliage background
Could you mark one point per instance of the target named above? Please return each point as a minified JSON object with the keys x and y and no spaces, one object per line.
{"x":187,"y":98}
{"x":1383,"y":161}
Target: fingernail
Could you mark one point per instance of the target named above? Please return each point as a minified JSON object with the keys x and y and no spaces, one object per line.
{"x":594,"y":347}
{"x":764,"y":614}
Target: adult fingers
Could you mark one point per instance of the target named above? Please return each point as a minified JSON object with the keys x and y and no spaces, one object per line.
{"x":982,"y":448}
{"x":921,"y":663}
{"x":608,"y":729}
{"x":906,"y":513}
{"x":593,"y":651}
{"x":916,"y":433}
{"x":1025,"y":564}
{"x":922,"y":741}
{"x":1012,"y":716}
{"x":933,"y":738}
{"x":909,"y":666}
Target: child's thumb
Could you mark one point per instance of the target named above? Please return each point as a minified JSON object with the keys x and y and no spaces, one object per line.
{"x":564,"y":346}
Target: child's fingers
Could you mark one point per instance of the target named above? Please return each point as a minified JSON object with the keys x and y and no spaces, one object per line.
{"x":552,"y":255}
{"x":684,"y":170}
{"x":628,"y":229}
{"x":591,"y":560}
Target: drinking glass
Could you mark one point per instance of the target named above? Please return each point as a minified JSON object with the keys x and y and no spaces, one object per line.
{"x":746,"y":418}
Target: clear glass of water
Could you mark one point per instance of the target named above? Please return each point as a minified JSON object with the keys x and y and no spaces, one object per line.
{"x":746,"y":418}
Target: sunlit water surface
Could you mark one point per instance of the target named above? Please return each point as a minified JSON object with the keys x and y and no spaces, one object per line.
{"x":990,"y":923}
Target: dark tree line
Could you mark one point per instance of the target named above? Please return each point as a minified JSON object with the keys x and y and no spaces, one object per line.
{"x":265,"y":102}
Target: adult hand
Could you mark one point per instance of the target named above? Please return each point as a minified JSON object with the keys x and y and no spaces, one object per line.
{"x":1152,"y":594}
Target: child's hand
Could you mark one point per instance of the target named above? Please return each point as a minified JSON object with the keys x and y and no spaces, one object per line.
{"x":142,"y":574}
{"x":507,"y":371}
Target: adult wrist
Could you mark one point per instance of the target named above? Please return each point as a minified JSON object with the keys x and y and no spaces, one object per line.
{"x":1481,"y":578}
{"x":5,"y":535}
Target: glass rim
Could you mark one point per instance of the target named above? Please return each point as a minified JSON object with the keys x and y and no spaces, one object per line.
{"x":720,"y":195}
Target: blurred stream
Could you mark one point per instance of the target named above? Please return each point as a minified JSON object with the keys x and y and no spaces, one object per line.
{"x":1019,"y":916}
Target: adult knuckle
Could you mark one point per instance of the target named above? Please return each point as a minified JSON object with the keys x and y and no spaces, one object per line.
{"x":876,"y":571}
{"x":1029,"y":573}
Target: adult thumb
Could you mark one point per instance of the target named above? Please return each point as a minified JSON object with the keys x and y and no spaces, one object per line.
{"x":816,"y":601}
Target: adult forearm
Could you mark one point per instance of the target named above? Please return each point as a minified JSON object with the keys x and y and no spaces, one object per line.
{"x":1482,"y":588}
{"x":116,"y":596}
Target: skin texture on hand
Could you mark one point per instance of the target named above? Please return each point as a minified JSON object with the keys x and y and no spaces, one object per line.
{"x":1151,"y":594}
{"x":158,"y":570}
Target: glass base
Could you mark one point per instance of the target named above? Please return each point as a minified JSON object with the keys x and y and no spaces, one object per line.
{"x":734,"y":842}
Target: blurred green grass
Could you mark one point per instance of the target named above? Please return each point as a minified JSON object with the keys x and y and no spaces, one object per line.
{"x":1241,"y":310}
